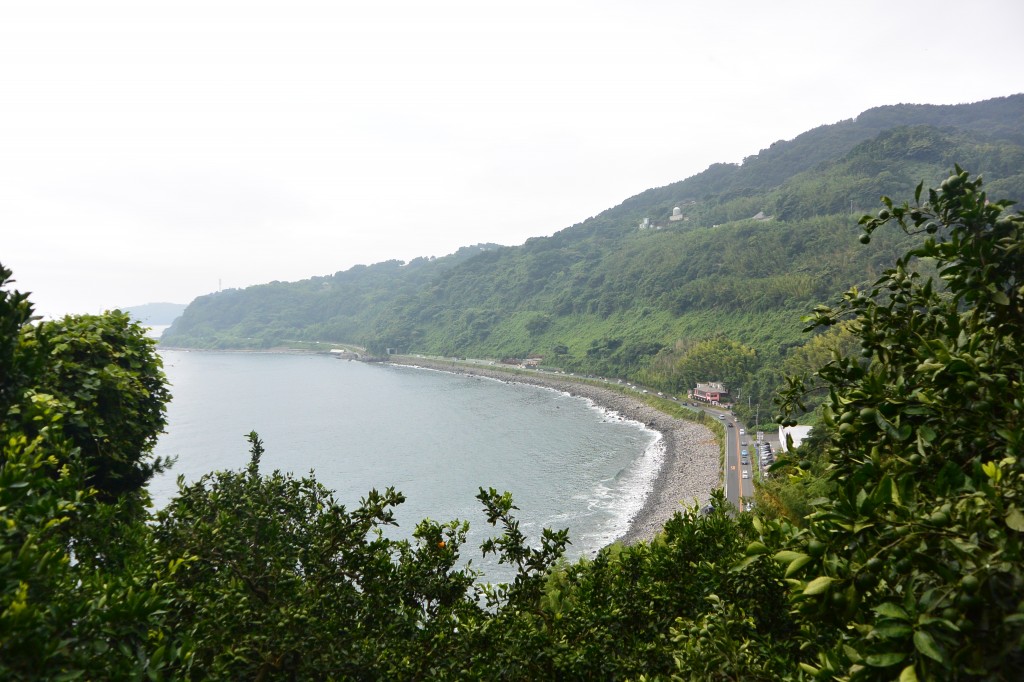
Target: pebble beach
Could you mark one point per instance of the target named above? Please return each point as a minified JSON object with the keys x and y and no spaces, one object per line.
{"x":691,"y":467}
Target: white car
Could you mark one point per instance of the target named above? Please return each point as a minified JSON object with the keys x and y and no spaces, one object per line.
{"x":746,"y":474}
{"x":742,"y":432}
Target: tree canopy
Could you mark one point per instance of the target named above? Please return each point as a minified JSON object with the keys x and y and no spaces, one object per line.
{"x":915,"y":558}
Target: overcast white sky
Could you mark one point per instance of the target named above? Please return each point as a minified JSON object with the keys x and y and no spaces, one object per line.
{"x":153,"y":151}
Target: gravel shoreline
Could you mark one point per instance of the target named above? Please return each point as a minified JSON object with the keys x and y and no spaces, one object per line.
{"x":690,"y":470}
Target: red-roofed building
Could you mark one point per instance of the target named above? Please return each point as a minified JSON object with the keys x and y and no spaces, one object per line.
{"x":713,"y":392}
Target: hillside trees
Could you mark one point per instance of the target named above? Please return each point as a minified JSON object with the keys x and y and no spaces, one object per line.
{"x":912,"y":568}
{"x":716,"y":359}
{"x":604,"y":278}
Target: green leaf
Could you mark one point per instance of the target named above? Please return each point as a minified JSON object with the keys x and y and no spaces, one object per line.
{"x":755,"y":548}
{"x":797,"y":564}
{"x":892,"y":630}
{"x":818,"y":585}
{"x":1015,"y":519}
{"x":926,"y":433}
{"x":1007,"y":434}
{"x":926,"y":644}
{"x":890,"y":610}
{"x":787,"y":556}
{"x":908,"y":674}
{"x":885,"y":660}
{"x":744,"y":563}
{"x":809,"y":669}
{"x":883,"y":492}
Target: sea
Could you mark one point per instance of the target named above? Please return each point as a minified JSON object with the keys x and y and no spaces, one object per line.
{"x":437,"y":437}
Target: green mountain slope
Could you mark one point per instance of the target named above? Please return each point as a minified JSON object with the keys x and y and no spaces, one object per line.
{"x":631,"y":292}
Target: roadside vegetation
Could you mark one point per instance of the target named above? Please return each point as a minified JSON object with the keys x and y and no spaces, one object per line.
{"x":891,"y":549}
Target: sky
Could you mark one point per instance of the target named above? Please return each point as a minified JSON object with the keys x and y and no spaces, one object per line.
{"x":159,"y":151}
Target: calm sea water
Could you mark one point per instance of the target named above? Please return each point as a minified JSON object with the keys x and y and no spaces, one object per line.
{"x":436,"y":437}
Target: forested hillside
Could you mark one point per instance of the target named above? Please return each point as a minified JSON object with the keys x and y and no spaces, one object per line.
{"x":905,"y":563}
{"x":632,"y":292}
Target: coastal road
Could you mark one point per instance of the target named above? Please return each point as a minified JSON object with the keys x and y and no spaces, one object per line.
{"x":736,"y":487}
{"x":745,"y":486}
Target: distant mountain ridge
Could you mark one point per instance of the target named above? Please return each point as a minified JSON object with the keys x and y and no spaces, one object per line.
{"x":630,"y":291}
{"x":156,"y":313}
{"x":998,"y":118}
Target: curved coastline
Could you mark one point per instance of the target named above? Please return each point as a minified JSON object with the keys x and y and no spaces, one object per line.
{"x":689,"y":471}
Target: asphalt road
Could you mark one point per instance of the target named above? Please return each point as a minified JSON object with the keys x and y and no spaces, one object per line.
{"x":736,"y":487}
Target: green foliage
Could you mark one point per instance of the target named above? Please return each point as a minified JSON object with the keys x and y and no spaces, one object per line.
{"x":61,"y":619}
{"x":34,"y":501}
{"x":16,"y":371}
{"x":109,"y":393}
{"x":917,"y":561}
{"x":716,"y":359}
{"x":280,"y":580}
{"x":531,"y":563}
{"x":614,"y":616}
{"x":101,"y":615}
{"x":104,"y":369}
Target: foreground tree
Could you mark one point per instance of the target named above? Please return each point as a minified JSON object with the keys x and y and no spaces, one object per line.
{"x":105,"y":371}
{"x":63,"y":611}
{"x":913,"y":569}
{"x":280,"y":581}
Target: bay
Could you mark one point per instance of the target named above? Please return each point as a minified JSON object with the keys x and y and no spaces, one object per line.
{"x":434,"y":436}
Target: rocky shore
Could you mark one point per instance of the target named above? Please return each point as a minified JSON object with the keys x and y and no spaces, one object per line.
{"x":691,"y":467}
